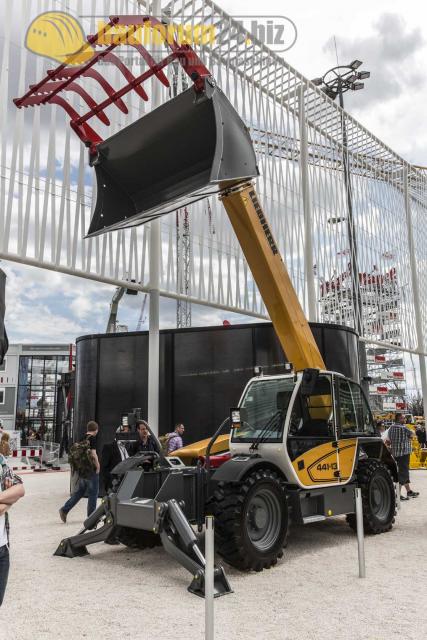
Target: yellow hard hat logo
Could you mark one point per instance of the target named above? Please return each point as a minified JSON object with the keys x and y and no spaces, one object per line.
{"x":58,"y":36}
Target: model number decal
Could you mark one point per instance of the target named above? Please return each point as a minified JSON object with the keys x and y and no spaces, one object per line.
{"x":327,"y":466}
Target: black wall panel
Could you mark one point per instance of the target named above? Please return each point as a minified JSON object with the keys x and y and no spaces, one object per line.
{"x":202,"y":373}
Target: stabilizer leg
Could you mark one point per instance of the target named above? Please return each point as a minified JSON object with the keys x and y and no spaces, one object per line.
{"x":180,"y":541}
{"x":76,"y":545}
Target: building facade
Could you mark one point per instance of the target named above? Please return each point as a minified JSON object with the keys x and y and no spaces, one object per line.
{"x":28,"y":387}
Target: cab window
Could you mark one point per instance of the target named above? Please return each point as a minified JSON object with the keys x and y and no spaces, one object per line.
{"x":263,"y":410}
{"x":313,"y":415}
{"x":354,"y":413}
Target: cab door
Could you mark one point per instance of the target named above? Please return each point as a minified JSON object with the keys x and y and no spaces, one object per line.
{"x":312,"y":435}
{"x":354,"y":419}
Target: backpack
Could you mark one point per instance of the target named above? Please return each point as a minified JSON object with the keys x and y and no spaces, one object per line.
{"x":81,"y":460}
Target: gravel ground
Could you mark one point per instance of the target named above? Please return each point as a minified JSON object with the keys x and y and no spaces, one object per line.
{"x":314,"y":592}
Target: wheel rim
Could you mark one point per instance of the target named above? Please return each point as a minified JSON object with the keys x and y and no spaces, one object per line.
{"x":380,"y":498}
{"x":263,"y":518}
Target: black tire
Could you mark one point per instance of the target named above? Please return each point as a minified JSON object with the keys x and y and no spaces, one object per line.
{"x":251,"y":521}
{"x":378,"y":497}
{"x":137,"y":538}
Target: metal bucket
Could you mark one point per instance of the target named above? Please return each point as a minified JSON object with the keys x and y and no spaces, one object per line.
{"x":189,"y":147}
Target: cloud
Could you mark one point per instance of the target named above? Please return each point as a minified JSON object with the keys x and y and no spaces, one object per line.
{"x":45,"y":306}
{"x":389,"y":53}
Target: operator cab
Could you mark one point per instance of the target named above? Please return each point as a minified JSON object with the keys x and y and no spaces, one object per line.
{"x":297,"y":413}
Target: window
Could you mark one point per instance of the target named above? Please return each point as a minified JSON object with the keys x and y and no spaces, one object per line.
{"x":36,"y":400}
{"x":355,"y":415}
{"x":313,"y":415}
{"x":365,"y":423}
{"x":2,"y":395}
{"x":263,"y":410}
{"x":3,"y":365}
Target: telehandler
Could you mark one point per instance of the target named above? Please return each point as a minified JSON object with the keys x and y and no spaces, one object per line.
{"x":301,"y":442}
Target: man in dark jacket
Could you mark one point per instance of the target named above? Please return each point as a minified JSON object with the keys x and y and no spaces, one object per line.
{"x":145,"y":441}
{"x":421,"y":435}
{"x":113,"y":453}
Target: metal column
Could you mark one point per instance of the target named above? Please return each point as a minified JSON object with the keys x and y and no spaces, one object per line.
{"x":209,"y":578}
{"x":415,"y":288}
{"x":351,"y":229}
{"x":360,"y":533}
{"x":306,"y":201}
{"x":154,"y":286}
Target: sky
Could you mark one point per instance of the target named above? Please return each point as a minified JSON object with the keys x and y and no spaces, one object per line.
{"x":390,"y":38}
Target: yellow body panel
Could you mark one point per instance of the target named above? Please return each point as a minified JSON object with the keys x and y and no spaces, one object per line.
{"x":192,"y":451}
{"x":320,"y":464}
{"x":270,"y":274}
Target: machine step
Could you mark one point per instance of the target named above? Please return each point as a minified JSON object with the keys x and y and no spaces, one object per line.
{"x":310,"y":519}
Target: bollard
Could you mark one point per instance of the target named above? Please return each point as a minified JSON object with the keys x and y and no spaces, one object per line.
{"x":209,"y":578}
{"x":397,"y":491}
{"x":360,"y":533}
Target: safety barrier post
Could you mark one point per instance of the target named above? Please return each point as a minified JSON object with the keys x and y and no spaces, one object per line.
{"x":209,"y":578}
{"x":397,"y":491}
{"x":360,"y":533}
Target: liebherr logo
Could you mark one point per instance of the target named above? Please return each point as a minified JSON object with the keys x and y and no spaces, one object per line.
{"x":263,"y":222}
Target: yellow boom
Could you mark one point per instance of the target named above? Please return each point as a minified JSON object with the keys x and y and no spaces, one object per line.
{"x":269,"y":271}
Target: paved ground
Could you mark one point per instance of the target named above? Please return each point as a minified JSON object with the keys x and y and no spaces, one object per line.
{"x":313,"y":594}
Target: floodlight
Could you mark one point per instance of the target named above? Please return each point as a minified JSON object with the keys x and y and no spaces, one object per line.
{"x":363,"y":75}
{"x":355,"y":64}
{"x":356,"y":86}
{"x":317,"y":81}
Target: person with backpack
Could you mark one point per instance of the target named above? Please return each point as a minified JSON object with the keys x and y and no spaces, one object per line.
{"x":84,"y":462}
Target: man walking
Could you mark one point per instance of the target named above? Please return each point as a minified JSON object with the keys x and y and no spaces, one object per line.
{"x":84,"y":461}
{"x":11,"y":490}
{"x":400,"y":438}
{"x":175,"y":439}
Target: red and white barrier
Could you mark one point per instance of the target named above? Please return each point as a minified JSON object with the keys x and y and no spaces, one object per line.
{"x":27,"y":459}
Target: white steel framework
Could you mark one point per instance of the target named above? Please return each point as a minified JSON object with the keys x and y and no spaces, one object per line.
{"x":46,"y":187}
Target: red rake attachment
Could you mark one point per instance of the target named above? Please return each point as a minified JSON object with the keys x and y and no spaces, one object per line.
{"x":169,"y":157}
{"x":64,"y":77}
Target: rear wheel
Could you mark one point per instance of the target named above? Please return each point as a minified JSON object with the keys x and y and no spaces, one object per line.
{"x":251,"y":521}
{"x":137,"y":538}
{"x":378,"y":497}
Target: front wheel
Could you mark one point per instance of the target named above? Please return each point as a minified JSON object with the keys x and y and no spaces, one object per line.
{"x":378,"y":497}
{"x":251,"y":520}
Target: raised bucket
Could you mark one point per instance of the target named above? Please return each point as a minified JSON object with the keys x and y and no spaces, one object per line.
{"x":184,"y":150}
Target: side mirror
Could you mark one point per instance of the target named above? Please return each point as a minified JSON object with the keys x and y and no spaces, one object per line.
{"x":309,"y":380}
